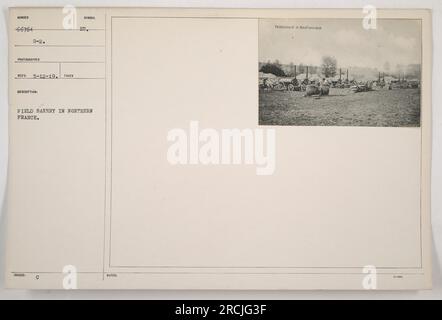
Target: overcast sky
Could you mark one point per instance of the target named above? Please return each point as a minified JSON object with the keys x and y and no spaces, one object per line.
{"x":395,"y":41}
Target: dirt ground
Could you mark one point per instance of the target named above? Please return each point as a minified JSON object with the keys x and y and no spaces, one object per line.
{"x":377,"y":108}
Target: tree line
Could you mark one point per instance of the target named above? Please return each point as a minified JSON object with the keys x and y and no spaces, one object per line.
{"x":328,"y":68}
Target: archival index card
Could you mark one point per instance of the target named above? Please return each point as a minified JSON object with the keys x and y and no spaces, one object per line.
{"x":219,"y":149}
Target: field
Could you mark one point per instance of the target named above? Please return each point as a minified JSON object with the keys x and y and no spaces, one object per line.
{"x":377,"y":108}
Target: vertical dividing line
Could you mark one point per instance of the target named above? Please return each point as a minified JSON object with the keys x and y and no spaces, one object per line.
{"x":421,"y":127}
{"x":110,"y":146}
{"x":105,"y":140}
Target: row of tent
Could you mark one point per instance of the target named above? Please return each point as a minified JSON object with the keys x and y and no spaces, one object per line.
{"x":301,"y":76}
{"x":315,"y":77}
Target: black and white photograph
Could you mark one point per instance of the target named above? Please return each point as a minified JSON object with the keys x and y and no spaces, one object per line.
{"x":336,"y":72}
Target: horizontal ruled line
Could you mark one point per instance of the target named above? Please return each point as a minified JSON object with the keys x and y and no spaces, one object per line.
{"x":61,"y":45}
{"x":59,"y":78}
{"x":59,"y":61}
{"x":199,"y":272}
{"x":85,"y":30}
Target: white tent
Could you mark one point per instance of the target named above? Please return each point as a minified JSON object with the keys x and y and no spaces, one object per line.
{"x":336,"y":78}
{"x":390,"y":79}
{"x":301,"y":76}
{"x":267,"y":75}
{"x":315,"y":77}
